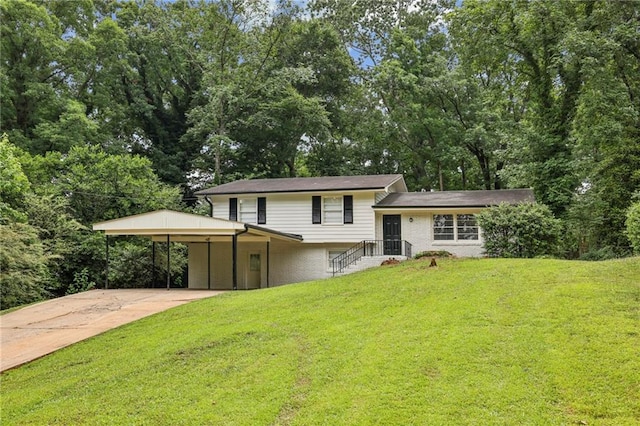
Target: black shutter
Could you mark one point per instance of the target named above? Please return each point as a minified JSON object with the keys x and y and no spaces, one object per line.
{"x":348,"y":208}
{"x":316,"y":209}
{"x":233,"y":209}
{"x":262,"y":210}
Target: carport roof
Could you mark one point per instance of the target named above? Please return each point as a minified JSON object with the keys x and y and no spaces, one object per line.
{"x":169,"y":222}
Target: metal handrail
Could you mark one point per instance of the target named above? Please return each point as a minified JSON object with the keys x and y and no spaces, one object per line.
{"x":370,"y":248}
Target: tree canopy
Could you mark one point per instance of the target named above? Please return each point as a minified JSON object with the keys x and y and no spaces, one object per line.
{"x":174,"y":96}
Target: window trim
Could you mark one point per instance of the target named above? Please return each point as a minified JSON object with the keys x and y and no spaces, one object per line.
{"x":319,"y":210}
{"x":324,"y":210}
{"x":456,"y":239}
{"x":329,"y":258}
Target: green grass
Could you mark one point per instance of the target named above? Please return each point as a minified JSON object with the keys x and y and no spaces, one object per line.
{"x":477,"y":342}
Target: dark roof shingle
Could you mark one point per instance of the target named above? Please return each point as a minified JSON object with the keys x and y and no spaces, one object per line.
{"x":481,"y":198}
{"x":303,"y":184}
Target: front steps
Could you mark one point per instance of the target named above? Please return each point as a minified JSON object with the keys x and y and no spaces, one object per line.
{"x":366,"y":262}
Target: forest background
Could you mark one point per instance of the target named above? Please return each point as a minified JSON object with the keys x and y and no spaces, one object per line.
{"x":112,"y":108}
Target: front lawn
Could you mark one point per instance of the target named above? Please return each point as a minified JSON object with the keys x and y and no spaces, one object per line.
{"x":476,"y":341}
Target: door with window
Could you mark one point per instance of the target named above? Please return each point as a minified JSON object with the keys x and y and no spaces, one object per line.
{"x":392,"y":234}
{"x":254,"y":268}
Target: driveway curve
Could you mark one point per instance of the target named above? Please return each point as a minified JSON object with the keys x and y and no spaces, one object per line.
{"x":37,"y":330}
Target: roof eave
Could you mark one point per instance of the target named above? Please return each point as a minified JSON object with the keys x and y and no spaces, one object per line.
{"x":295,"y":191}
{"x":443,"y":206}
{"x":283,"y":235}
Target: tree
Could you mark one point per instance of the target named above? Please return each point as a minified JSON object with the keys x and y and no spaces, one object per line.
{"x":82,"y":188}
{"x":100,"y":186}
{"x":23,"y":269}
{"x":14,"y":184}
{"x":406,"y":76}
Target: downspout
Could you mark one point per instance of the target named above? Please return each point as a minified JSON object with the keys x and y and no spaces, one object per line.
{"x":234,"y":244}
{"x":206,"y":198}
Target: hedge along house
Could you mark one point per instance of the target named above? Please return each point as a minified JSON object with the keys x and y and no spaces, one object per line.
{"x":269,"y":232}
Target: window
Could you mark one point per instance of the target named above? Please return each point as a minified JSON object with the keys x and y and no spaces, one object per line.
{"x":467,"y":227}
{"x":447,"y":227}
{"x":332,"y":210}
{"x":335,"y":210}
{"x":443,"y":227}
{"x":251,"y":210}
{"x":332,"y":254}
{"x":254,"y":261}
{"x":248,"y":210}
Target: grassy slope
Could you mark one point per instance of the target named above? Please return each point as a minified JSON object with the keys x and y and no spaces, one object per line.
{"x":471,"y":342}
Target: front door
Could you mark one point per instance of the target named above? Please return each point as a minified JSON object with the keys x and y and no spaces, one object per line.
{"x":254,"y":271}
{"x":392,"y":234}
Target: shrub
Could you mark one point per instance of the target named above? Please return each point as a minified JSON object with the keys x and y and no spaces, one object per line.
{"x":633,"y":226}
{"x":522,"y":230}
{"x":603,"y":253}
{"x":432,"y":253}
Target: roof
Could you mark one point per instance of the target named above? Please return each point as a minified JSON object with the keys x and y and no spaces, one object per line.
{"x":482,"y":198}
{"x":169,"y":222}
{"x":306,"y":184}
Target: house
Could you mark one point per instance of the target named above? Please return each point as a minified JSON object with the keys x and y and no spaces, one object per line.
{"x":269,"y":232}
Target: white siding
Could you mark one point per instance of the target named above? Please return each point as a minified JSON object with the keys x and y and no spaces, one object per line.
{"x":291,"y":213}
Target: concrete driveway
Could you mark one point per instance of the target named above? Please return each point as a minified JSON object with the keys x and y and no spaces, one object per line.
{"x":34,"y":331}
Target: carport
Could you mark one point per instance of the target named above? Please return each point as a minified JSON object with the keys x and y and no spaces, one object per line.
{"x":171,"y":226}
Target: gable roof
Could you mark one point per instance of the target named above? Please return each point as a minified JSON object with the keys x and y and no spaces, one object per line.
{"x":306,"y":184}
{"x":169,"y":222}
{"x":481,"y":198}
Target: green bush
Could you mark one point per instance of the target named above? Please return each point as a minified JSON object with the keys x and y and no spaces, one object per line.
{"x":432,"y":253}
{"x":604,"y":253}
{"x":633,"y":226}
{"x":522,"y":230}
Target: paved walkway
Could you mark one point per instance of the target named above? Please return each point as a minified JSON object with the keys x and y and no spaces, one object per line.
{"x":34,"y":331}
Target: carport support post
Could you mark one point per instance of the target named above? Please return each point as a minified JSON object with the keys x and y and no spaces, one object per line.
{"x":234,"y":245}
{"x":208,"y":263}
{"x":106,"y":276}
{"x":153,"y":264}
{"x":168,"y":262}
{"x":268,"y":252}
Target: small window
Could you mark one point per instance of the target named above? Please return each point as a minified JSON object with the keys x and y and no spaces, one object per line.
{"x":332,"y":254}
{"x":467,"y":227}
{"x":332,"y":210}
{"x":248,"y":210}
{"x":254,"y":262}
{"x":443,"y":227}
